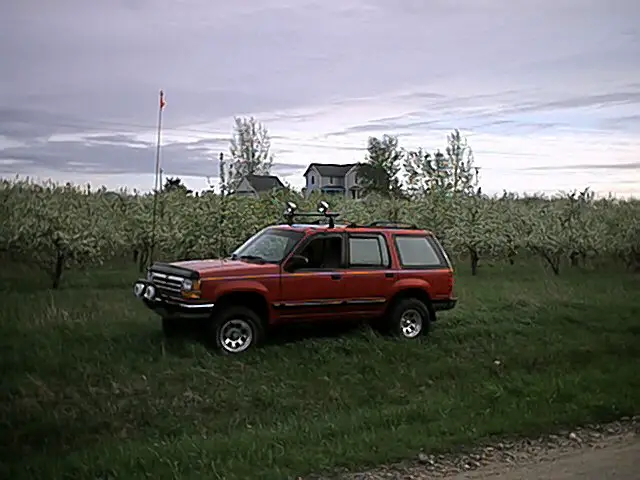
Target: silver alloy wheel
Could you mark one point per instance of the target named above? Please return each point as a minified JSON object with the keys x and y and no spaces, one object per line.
{"x":411,"y":323}
{"x":236,"y":335}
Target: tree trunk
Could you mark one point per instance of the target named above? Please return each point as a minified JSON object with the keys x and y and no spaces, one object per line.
{"x":57,"y":272}
{"x":552,"y":260}
{"x":473,"y":256}
{"x":634,"y":262}
{"x":143,"y":256}
{"x":555,"y":265}
{"x":574,"y":257}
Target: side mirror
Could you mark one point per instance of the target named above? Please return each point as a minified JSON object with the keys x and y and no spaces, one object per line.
{"x":296,"y":262}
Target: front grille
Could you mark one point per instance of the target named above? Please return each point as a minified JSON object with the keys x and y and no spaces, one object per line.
{"x":169,"y":285}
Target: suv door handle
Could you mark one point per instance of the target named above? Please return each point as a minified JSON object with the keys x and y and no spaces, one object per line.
{"x":388,"y":274}
{"x":336,"y":276}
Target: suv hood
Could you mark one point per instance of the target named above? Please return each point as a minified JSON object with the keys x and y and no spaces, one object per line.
{"x":217,"y":267}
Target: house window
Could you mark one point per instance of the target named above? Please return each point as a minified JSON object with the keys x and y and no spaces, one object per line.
{"x":334,"y":180}
{"x":313,"y":180}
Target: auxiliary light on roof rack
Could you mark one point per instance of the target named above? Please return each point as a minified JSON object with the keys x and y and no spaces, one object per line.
{"x":291,"y":212}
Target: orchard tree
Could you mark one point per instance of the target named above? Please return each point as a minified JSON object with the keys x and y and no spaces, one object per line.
{"x":62,"y":228}
{"x":579,"y":230}
{"x":58,"y":227}
{"x":426,"y":173}
{"x":379,"y":174}
{"x":250,"y":150}
{"x":175,"y":185}
{"x":452,"y":171}
{"x":460,"y":163}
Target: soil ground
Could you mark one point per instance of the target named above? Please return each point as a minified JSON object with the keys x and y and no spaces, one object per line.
{"x":619,"y":460}
{"x":595,"y":452}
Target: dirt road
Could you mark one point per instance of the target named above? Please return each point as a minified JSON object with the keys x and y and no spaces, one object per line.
{"x":595,"y":452}
{"x":619,"y":460}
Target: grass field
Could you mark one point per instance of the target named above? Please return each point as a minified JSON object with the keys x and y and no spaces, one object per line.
{"x":91,"y":389}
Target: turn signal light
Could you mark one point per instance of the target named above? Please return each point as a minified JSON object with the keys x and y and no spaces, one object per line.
{"x":193,"y":292}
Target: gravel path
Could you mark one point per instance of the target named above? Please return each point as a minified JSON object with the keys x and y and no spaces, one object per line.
{"x":619,"y":459}
{"x":594,"y":452}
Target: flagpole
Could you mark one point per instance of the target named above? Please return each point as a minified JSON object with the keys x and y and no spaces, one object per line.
{"x":161,"y":105}
{"x":223,"y":194}
{"x":157,"y":175}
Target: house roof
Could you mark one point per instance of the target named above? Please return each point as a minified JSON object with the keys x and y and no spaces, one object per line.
{"x":331,"y":169}
{"x":264,"y":183}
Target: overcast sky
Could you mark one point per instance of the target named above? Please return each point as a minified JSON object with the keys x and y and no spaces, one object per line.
{"x":547,"y":92}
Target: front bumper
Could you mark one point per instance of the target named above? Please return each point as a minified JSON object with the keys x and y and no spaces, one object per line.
{"x":166,"y":306}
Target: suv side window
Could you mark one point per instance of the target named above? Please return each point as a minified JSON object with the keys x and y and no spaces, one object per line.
{"x":369,"y":251}
{"x":324,"y":252}
{"x":418,"y":252}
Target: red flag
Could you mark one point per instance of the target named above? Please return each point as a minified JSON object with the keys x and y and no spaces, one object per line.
{"x":162,"y":102}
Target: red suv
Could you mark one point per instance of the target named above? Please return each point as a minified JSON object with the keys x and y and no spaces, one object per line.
{"x":396,"y":274}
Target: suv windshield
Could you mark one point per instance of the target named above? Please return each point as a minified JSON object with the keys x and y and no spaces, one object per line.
{"x":270,"y":245}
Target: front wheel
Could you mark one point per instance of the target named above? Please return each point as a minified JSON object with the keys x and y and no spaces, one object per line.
{"x":409,"y":319}
{"x":237,"y":329}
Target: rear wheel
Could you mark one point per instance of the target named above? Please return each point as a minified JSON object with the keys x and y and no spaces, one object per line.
{"x":409,"y":319}
{"x":236,"y":330}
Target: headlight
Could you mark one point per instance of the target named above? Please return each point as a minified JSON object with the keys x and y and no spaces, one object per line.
{"x":149,"y":293}
{"x":190,"y":288}
{"x":138,"y":289}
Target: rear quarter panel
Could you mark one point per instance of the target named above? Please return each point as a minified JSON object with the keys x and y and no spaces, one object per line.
{"x":437,"y":281}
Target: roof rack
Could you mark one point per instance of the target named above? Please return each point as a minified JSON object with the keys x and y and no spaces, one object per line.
{"x":321,"y":221}
{"x":389,"y":224}
{"x":290,"y":213}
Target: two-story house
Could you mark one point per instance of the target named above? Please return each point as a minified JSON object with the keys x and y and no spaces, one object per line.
{"x":254,"y":185}
{"x":332,"y":178}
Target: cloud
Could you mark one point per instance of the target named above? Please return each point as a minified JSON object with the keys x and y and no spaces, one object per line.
{"x":596,"y":100}
{"x":622,"y":123}
{"x":24,"y":123}
{"x":80,"y":80}
{"x":392,"y":126}
{"x":112,"y":154}
{"x":117,"y":139}
{"x":590,"y":166}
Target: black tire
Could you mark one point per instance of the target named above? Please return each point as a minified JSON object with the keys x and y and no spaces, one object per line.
{"x":242,"y":328}
{"x":406,"y":313}
{"x":172,"y":327}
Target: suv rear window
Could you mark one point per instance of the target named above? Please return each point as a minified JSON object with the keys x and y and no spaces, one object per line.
{"x":368,"y":251}
{"x":418,"y":252}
